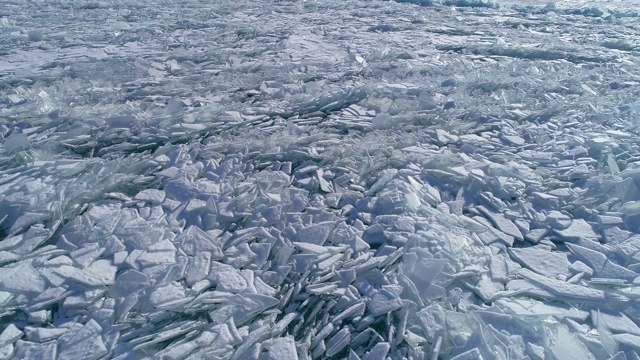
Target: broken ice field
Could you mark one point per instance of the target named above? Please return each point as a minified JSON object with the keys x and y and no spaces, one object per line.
{"x":320,"y":179}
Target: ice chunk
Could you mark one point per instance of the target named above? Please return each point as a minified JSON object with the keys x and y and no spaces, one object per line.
{"x":616,"y":322}
{"x":502,"y":267}
{"x":254,"y":304}
{"x":100,"y":272}
{"x":632,"y":341}
{"x":193,"y":241}
{"x":175,"y":352}
{"x":152,"y":196}
{"x":325,"y":185}
{"x":35,"y":35}
{"x":322,"y":288}
{"x":619,"y":356}
{"x":167,"y":294}
{"x":48,"y":297}
{"x":352,"y":311}
{"x":6,"y":256}
{"x":485,"y":287}
{"x":579,"y":229}
{"x":310,"y":248}
{"x":168,"y":332}
{"x":16,"y":142}
{"x":383,"y":302}
{"x":86,"y":255}
{"x":525,"y":308}
{"x":130,"y":281}
{"x":607,"y":220}
{"x":544,"y":262}
{"x":39,"y":316}
{"x":558,"y":220}
{"x":580,"y":267}
{"x":30,"y":350}
{"x":502,"y":223}
{"x":315,"y":234}
{"x":321,"y":335}
{"x":22,"y":278}
{"x":338,"y":342}
{"x":614,"y":235}
{"x":6,"y":352}
{"x":473,"y":354}
{"x":444,"y":137}
{"x":281,"y":348}
{"x":566,"y":345}
{"x":352,"y":354}
{"x":303,"y":262}
{"x":10,"y":335}
{"x":557,"y":289}
{"x":536,"y":235}
{"x":254,"y":337}
{"x":319,"y":349}
{"x":41,"y":335}
{"x":378,"y":352}
{"x":226,"y":278}
{"x":602,"y":267}
{"x":27,"y":219}
{"x":198,"y":268}
{"x":493,"y":235}
{"x":432,"y":320}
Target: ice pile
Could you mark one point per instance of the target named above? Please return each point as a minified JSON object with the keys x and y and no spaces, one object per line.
{"x":238,"y":181}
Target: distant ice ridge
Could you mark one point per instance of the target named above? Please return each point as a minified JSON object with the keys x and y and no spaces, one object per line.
{"x":461,"y":3}
{"x":590,"y":8}
{"x":237,"y":181}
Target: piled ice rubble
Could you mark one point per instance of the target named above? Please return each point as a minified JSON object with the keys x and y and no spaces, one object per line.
{"x":238,"y":181}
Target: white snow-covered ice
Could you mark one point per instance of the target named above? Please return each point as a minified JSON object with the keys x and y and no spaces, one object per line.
{"x":409,"y":179}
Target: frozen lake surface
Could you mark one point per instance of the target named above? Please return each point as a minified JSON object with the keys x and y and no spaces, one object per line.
{"x":319,"y":179}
